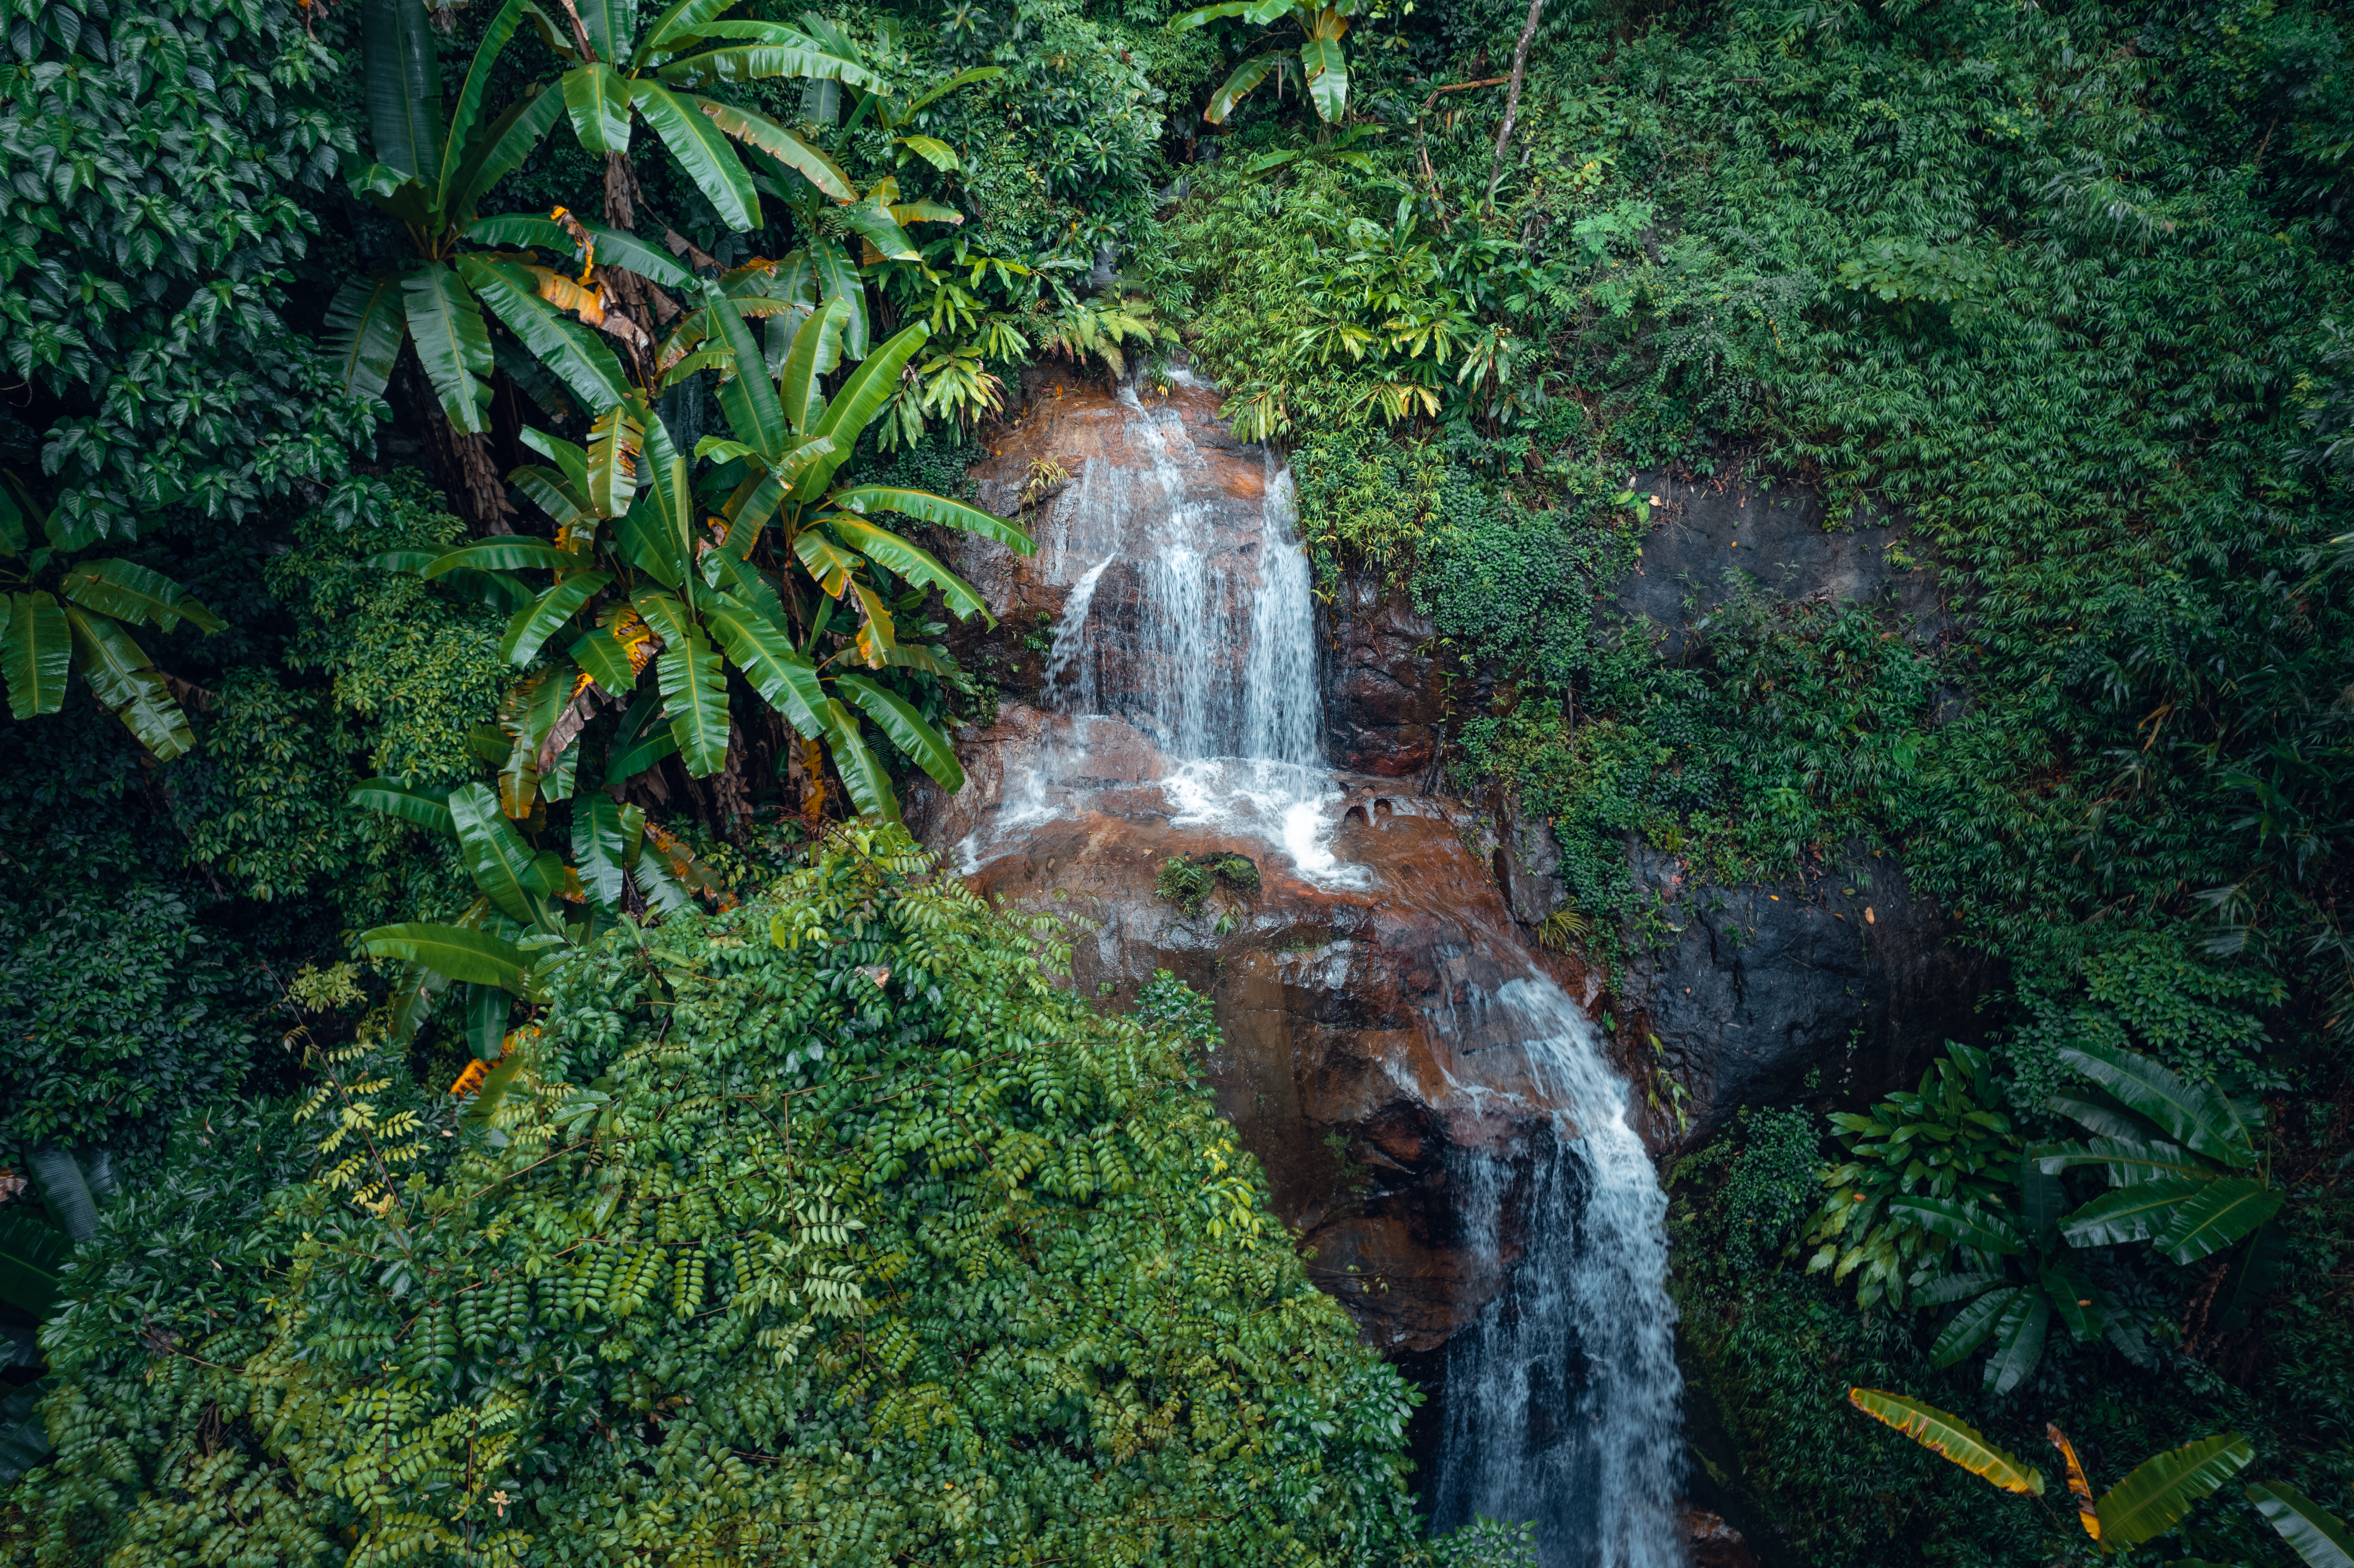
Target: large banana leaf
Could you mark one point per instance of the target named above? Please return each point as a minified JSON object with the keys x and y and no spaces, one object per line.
{"x":675,"y":29}
{"x":899,"y":720}
{"x":452,"y":343}
{"x":2106,"y":1113}
{"x":872,"y":222}
{"x":134,"y":594}
{"x":615,"y":246}
{"x":2127,"y":1160}
{"x":786,"y":679}
{"x":1327,"y":72}
{"x":1238,"y":86}
{"x":917,"y":565}
{"x":695,"y":689}
{"x":612,"y":27}
{"x":33,"y":1257}
{"x":578,"y":355}
{"x":615,"y":443}
{"x":816,"y":351}
{"x":964,"y":78}
{"x":488,"y":1007}
{"x":367,"y":323}
{"x":702,"y":150}
{"x":507,"y":552}
{"x":862,"y":397}
{"x":747,"y":398}
{"x":470,"y":98}
{"x":2158,"y":1495}
{"x":789,"y":54}
{"x":35,"y":653}
{"x":870,"y":785}
{"x":1972,"y":1325}
{"x":2315,"y":1534}
{"x":403,"y":87}
{"x":2196,"y":1116}
{"x":425,"y":808}
{"x":2018,"y":1340}
{"x":127,"y":682}
{"x":938,"y":509}
{"x":501,"y":151}
{"x":837,"y":277}
{"x":599,"y":101}
{"x":600,"y":849}
{"x":1950,"y":1436}
{"x":2130,"y":1213}
{"x":496,"y":857}
{"x":2220,"y":1213}
{"x":1965,"y":1223}
{"x":600,"y":653}
{"x":455,"y":952}
{"x":644,"y":539}
{"x":546,"y":616}
{"x":785,"y":146}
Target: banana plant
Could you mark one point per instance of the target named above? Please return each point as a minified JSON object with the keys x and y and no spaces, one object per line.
{"x":2023,"y":1274}
{"x":2150,"y":1501}
{"x":784,"y":561}
{"x":44,"y":643}
{"x":435,"y":168}
{"x":1322,"y":66}
{"x":2181,"y":1157}
{"x":532,"y":906}
{"x":37,"y":1243}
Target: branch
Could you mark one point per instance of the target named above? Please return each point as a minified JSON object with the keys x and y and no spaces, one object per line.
{"x":1511,"y":103}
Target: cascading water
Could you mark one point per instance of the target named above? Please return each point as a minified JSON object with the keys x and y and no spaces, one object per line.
{"x":1188,"y":619}
{"x":1562,"y":1403}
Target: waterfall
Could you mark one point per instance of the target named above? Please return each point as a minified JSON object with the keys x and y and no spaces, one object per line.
{"x":1563,"y":1402}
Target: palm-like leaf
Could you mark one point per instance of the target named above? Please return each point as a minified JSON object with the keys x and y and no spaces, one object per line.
{"x":546,"y":616}
{"x":452,"y":343}
{"x":2193,"y":1115}
{"x":122,"y":677}
{"x":428,"y":808}
{"x":366,"y":322}
{"x":500,"y":863}
{"x":455,"y":952}
{"x":696,"y":691}
{"x":134,"y":594}
{"x":899,"y":720}
{"x":2158,"y":1495}
{"x":1950,"y":1436}
{"x":2315,"y":1534}
{"x":35,"y":653}
{"x":702,"y":150}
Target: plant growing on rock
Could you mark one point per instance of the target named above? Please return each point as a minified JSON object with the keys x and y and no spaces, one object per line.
{"x":1188,"y":884}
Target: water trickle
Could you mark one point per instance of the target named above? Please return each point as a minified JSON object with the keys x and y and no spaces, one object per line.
{"x":1562,"y":1403}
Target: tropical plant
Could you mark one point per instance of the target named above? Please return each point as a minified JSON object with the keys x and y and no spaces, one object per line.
{"x":2154,"y":1498}
{"x":432,"y":172}
{"x":643,"y":583}
{"x":44,"y":644}
{"x":2180,"y":1156}
{"x":1942,"y":1141}
{"x":1322,"y":67}
{"x":1100,"y":326}
{"x":34,"y":1249}
{"x":2020,"y":1273}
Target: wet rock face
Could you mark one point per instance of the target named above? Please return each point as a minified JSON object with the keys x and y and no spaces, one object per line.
{"x":1344,"y":1065}
{"x":1385,"y":703}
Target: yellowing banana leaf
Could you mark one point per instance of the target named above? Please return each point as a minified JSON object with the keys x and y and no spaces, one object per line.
{"x":1950,"y":1436}
{"x":615,"y":441}
{"x":828,"y":562}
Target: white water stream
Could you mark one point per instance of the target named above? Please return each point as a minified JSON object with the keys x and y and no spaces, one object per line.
{"x":1562,"y":1404}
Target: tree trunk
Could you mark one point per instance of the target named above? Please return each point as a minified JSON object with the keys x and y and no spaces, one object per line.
{"x":1511,"y":104}
{"x":461,"y":461}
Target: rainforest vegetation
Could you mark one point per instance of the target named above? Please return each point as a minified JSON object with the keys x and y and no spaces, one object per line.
{"x":488,"y":1079}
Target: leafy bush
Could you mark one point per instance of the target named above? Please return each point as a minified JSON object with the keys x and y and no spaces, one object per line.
{"x":1188,"y":884}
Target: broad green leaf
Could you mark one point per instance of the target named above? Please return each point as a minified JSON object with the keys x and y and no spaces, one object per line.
{"x":2040,"y":1200}
{"x":127,"y":682}
{"x":2018,"y":1340}
{"x":696,"y":692}
{"x":837,"y":277}
{"x":579,"y":356}
{"x":933,"y":151}
{"x":662,"y":890}
{"x":964,"y":78}
{"x":2157,"y":1496}
{"x":2193,"y":1115}
{"x":2126,"y":1159}
{"x":502,"y":29}
{"x":1950,"y":1437}
{"x":869,"y":783}
{"x":754,"y":589}
{"x":455,"y":952}
{"x":2312,"y":1531}
{"x":862,"y":397}
{"x":600,"y":653}
{"x":570,"y":458}
{"x":2106,"y":1113}
{"x":628,"y":760}
{"x":752,"y":62}
{"x":2217,"y":1215}
{"x":598,"y":99}
{"x":452,"y":343}
{"x":496,"y":857}
{"x":908,"y":731}
{"x":33,"y":1258}
{"x":506,"y":552}
{"x":600,"y":849}
{"x":675,"y":29}
{"x":785,"y":680}
{"x":612,"y":27}
{"x":702,"y":150}
{"x":555,"y":494}
{"x":785,"y":146}
{"x":938,"y":509}
{"x":645,"y":540}
{"x":2074,"y":1298}
{"x":831,"y":564}
{"x":138,"y":596}
{"x":816,"y":351}
{"x":1327,"y":72}
{"x":872,"y":222}
{"x":1204,"y":16}
{"x":618,"y":248}
{"x":912,"y":562}
{"x":425,"y":808}
{"x":747,"y":398}
{"x":501,"y":151}
{"x":38,"y":654}
{"x":664,"y":477}
{"x":368,"y":320}
{"x":1247,"y":76}
{"x":415,"y":990}
{"x":546,"y":616}
{"x":2130,"y":1213}
{"x":403,"y":87}
{"x":747,"y":512}
{"x":1971,"y":1327}
{"x":487,"y":1007}
{"x":665,"y":613}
